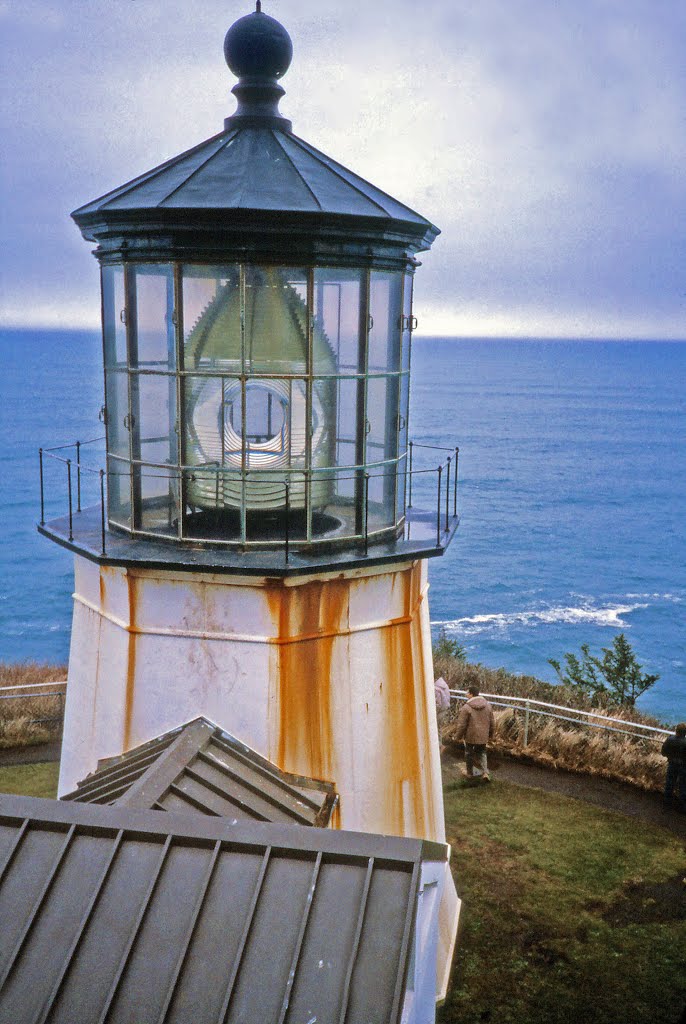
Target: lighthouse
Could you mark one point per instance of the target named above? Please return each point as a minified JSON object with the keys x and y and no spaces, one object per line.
{"x":257,"y":557}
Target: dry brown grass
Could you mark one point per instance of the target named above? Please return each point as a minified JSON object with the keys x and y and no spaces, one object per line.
{"x":27,"y":719}
{"x":557,"y":745}
{"x":581,"y":750}
{"x":24,"y":672}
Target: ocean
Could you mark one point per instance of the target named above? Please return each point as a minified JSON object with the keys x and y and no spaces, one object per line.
{"x":572,"y":496}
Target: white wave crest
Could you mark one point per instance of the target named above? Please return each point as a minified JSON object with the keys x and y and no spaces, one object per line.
{"x":609,"y":615}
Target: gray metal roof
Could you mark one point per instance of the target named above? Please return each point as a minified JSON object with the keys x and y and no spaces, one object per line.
{"x":254,"y":168}
{"x":254,"y":192}
{"x":201,"y":769}
{"x":121,"y":915}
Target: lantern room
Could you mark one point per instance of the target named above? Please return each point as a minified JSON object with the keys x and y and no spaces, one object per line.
{"x":247,"y":399}
{"x":257,"y":319}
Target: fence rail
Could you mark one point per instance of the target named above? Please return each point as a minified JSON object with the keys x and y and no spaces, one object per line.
{"x":60,"y":685}
{"x":529,"y":707}
{"x":34,"y":703}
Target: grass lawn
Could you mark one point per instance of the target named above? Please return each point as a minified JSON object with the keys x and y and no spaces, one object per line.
{"x":570,"y":913}
{"x":30,"y":779}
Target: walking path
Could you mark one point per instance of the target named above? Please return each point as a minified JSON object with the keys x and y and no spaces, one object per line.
{"x":612,"y":796}
{"x":39,"y":754}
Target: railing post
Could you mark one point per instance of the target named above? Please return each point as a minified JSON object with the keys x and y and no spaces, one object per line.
{"x":78,"y":476}
{"x":71,"y":514}
{"x":526,"y":724}
{"x":457,"y":452}
{"x":409,"y":503}
{"x":102,"y":508}
{"x":42,"y":496}
{"x":366,"y":513}
{"x":287,"y":532}
{"x":447,"y":495}
{"x":438,"y":509}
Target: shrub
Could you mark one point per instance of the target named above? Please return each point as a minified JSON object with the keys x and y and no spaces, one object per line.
{"x":616,"y":679}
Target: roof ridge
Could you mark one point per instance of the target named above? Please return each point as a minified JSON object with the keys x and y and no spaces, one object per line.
{"x":128,"y":186}
{"x":200,"y":166}
{"x":299,"y":173}
{"x":324,"y":160}
{"x":328,"y":161}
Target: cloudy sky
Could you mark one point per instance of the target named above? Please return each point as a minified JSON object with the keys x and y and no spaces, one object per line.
{"x":546,"y":138}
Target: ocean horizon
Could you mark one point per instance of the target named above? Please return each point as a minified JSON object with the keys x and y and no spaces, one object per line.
{"x":571,"y":495}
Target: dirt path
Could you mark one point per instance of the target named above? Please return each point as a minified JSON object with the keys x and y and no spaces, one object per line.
{"x":39,"y":754}
{"x":612,"y":796}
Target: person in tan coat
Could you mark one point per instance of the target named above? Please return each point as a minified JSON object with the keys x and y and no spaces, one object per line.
{"x":475,"y":725}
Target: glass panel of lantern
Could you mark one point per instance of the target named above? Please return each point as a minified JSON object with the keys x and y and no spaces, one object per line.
{"x":337,"y":295}
{"x":349,"y":393}
{"x":381,"y":509}
{"x":381,"y":447}
{"x":159,"y":500}
{"x":377,"y":401}
{"x":114,"y":316}
{"x":337,"y":503}
{"x":211,"y":318}
{"x":274,"y":440}
{"x":153,"y":405}
{"x":119,"y":493}
{"x":275,"y":316}
{"x":400,"y":490}
{"x":117,"y":405}
{"x":154,"y":441}
{"x":205,"y":441}
{"x":403,"y":412}
{"x":385,"y":302}
{"x":406,"y":322}
{"x":153,"y":332}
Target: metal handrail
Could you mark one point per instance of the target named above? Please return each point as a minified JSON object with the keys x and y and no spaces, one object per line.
{"x":530,"y":706}
{"x":42,"y":452}
{"x":73,"y":444}
{"x":32,"y":696}
{"x":445,"y":471}
{"x":28,"y":686}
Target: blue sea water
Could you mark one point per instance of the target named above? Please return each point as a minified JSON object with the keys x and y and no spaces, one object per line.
{"x":572,"y":496}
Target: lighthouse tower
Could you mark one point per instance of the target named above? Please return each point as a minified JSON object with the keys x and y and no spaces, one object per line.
{"x":258,"y":559}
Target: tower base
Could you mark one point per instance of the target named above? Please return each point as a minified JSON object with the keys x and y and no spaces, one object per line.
{"x":329,"y":677}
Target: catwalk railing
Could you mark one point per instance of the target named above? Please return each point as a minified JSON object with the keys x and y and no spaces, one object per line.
{"x":528,"y":708}
{"x":79,"y":484}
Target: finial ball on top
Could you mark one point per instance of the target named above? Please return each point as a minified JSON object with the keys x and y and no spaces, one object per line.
{"x":258,"y":46}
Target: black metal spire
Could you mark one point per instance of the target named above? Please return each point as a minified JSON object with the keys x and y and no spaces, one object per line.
{"x":258,"y":51}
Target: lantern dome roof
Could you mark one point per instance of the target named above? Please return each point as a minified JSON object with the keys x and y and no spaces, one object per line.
{"x":255,"y":176}
{"x":253,"y":168}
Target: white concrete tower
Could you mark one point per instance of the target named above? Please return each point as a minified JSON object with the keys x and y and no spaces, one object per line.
{"x":258,"y":559}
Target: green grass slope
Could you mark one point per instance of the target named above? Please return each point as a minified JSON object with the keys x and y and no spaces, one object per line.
{"x":570,"y":913}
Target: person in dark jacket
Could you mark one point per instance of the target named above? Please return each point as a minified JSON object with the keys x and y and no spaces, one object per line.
{"x":674,"y":749}
{"x":475,"y":725}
